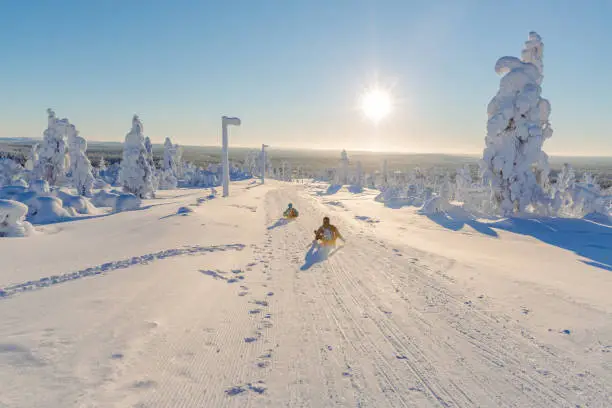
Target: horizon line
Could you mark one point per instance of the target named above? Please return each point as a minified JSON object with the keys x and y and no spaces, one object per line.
{"x":356,"y":150}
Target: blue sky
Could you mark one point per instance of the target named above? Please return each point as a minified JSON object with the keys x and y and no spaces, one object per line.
{"x":293,"y":70}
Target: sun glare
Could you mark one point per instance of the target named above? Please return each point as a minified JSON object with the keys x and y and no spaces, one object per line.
{"x":376,"y":104}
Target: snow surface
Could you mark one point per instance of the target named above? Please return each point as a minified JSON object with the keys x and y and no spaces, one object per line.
{"x":216,"y":309}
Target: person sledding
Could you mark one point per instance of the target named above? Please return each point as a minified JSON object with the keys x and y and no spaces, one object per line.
{"x":328,"y":233}
{"x":290,"y":212}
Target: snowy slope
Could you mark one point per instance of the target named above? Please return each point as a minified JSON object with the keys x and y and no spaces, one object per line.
{"x":230,"y":306}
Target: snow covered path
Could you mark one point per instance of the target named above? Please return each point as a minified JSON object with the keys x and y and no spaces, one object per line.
{"x":248,"y":314}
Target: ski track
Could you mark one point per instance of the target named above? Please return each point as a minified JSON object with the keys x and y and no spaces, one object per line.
{"x":107,"y":267}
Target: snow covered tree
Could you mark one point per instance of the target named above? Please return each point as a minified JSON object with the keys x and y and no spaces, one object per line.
{"x":136,"y":174}
{"x":32,"y":157}
{"x":358,"y":176}
{"x":178,"y":160}
{"x":52,"y":160}
{"x":102,"y":164}
{"x":463,"y":183}
{"x":10,"y":171}
{"x":169,"y":172}
{"x":446,"y":188}
{"x":151,"y":161}
{"x":566,"y":180}
{"x":73,"y":148}
{"x":342,"y":172}
{"x":82,"y":175}
{"x":516,"y":130}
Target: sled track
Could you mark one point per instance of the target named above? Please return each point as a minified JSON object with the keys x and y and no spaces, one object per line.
{"x":457,"y":354}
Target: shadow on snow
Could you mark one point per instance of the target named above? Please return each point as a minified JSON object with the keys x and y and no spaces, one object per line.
{"x":316,"y":254}
{"x":281,"y":222}
{"x":590,"y":237}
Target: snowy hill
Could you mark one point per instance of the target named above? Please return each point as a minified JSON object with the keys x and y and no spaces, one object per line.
{"x":197,"y":301}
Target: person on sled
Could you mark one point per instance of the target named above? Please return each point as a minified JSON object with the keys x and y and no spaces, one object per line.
{"x":328,"y":233}
{"x":290,"y":212}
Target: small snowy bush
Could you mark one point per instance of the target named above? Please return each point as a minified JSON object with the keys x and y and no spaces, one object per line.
{"x":12,"y":219}
{"x":75,"y":203}
{"x":127,"y":202}
{"x":10,"y":171}
{"x":40,"y":186}
{"x":104,"y":198}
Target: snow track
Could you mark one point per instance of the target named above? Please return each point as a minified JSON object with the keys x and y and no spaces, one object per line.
{"x":107,"y":267}
{"x":407,"y":337}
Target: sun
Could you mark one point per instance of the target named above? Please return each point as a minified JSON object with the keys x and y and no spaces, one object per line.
{"x":376,"y":104}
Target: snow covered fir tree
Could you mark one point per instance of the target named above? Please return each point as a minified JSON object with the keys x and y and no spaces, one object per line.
{"x":516,"y":130}
{"x":52,"y":154}
{"x":170,"y":166}
{"x":136,"y":175}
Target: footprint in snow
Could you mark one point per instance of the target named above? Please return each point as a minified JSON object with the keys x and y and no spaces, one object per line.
{"x":234,"y":391}
{"x":151,"y":324}
{"x":143,"y":384}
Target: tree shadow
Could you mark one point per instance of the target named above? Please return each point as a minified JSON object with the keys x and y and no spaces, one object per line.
{"x":355,"y":189}
{"x":279,"y":223}
{"x":457,"y":218}
{"x":584,"y":237}
{"x":589,"y":237}
{"x":331,"y":190}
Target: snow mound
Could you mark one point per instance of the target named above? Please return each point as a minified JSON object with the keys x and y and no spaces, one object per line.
{"x":127,"y":202}
{"x":12,"y":219}
{"x":40,"y":186}
{"x":184,"y":210}
{"x":46,"y":210}
{"x":10,"y":192}
{"x":20,"y":183}
{"x":104,"y":198}
{"x":75,"y":203}
{"x":101,"y":184}
{"x":435,"y":205}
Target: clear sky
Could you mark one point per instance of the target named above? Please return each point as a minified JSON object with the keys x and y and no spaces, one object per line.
{"x":293,"y":70}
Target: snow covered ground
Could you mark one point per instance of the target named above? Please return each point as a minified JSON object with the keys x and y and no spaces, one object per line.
{"x":227,"y":305}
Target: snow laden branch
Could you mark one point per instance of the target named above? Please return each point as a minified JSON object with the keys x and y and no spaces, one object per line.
{"x":513,"y":161}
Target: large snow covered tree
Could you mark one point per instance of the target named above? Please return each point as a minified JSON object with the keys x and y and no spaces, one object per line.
{"x":52,"y":155}
{"x":516,"y":130}
{"x":136,"y":174}
{"x":169,"y":173}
